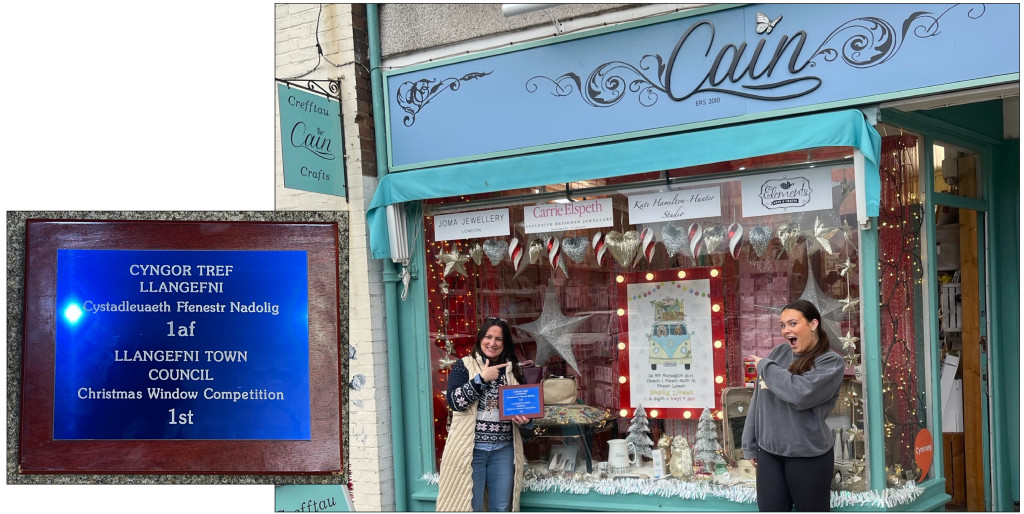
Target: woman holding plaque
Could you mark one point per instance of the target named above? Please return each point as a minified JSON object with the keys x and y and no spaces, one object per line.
{"x":785,"y":435}
{"x":482,"y":453}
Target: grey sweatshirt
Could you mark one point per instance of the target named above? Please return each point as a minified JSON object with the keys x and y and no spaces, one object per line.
{"x":787,"y":412}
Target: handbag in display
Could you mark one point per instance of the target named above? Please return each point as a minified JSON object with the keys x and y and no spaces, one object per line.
{"x":532,"y":374}
{"x":559,"y":390}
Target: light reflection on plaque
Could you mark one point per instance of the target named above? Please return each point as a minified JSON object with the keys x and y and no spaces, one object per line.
{"x":181,"y":344}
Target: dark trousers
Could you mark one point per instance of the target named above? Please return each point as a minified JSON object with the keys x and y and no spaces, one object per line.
{"x":787,"y":482}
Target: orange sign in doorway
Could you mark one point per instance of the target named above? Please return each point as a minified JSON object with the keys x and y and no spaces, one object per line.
{"x":923,"y":451}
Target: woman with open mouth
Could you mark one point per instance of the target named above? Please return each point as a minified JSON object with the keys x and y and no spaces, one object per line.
{"x":785,"y":435}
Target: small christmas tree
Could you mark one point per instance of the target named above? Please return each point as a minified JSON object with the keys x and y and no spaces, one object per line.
{"x":707,"y":449}
{"x":638,"y":430}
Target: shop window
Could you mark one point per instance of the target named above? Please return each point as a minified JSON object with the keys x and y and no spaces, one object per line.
{"x":901,"y":306}
{"x":658,"y":314}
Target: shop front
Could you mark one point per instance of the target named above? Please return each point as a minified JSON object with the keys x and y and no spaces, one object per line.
{"x":640,"y":230}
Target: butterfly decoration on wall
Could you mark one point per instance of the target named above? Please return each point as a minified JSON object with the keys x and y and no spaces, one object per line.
{"x":765,"y":24}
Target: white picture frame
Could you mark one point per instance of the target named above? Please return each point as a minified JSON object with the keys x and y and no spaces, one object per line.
{"x":563,"y":458}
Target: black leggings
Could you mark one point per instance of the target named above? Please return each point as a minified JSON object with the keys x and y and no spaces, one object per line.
{"x":787,"y":482}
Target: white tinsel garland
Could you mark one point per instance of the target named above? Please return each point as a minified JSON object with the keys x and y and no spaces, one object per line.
{"x":581,"y":483}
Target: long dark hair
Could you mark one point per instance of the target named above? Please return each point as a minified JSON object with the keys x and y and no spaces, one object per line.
{"x":508,"y":352}
{"x":805,"y":362}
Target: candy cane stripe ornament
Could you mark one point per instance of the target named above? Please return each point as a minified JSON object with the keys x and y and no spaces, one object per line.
{"x":599,"y":250}
{"x":696,"y":238}
{"x":554,"y":251}
{"x":646,"y":245}
{"x":735,"y":235}
{"x":515,"y":253}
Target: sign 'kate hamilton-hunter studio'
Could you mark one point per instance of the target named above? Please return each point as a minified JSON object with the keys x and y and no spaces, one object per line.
{"x":175,"y":344}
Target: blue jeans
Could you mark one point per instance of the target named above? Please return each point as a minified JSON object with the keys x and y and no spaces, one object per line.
{"x":495,"y":470}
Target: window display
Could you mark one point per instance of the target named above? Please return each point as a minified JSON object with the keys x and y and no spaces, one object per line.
{"x":648,"y":292}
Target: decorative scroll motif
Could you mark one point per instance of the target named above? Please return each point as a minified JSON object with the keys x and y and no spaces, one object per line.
{"x":327,"y":87}
{"x":606,"y":87}
{"x":872,"y":41}
{"x":875,"y":41}
{"x":414,"y":96}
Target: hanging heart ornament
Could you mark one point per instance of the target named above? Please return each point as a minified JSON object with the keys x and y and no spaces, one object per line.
{"x":576,"y":248}
{"x":597,"y":243}
{"x":788,"y":235}
{"x":735,"y":235}
{"x":623,"y":247}
{"x":674,"y":238}
{"x":760,"y":236}
{"x":695,"y":234}
{"x":554,"y":251}
{"x":646,"y":245}
{"x":713,"y":236}
{"x":515,"y":253}
{"x":495,"y":250}
{"x":476,"y":252}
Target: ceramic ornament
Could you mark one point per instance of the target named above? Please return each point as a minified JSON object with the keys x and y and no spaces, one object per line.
{"x":515,"y":253}
{"x":554,"y":251}
{"x":623,"y":247}
{"x":576,"y":248}
{"x":735,"y":235}
{"x":788,"y":235}
{"x":597,"y":243}
{"x":760,"y":237}
{"x":713,"y":237}
{"x":536,"y":247}
{"x":495,"y":250}
{"x":646,"y":245}
{"x":696,"y":235}
{"x":674,"y":238}
{"x":476,"y":252}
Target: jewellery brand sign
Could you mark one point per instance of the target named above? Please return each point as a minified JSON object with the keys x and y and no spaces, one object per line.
{"x":790,"y":191}
{"x":174,"y":344}
{"x":311,"y":142}
{"x":666,"y":75}
{"x":549,"y":217}
{"x":705,"y":202}
{"x":465,"y":225}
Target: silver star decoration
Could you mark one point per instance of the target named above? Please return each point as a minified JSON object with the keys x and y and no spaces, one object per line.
{"x":453,"y":261}
{"x":849,"y":232}
{"x":553,"y":330}
{"x":446,"y":361}
{"x":849,"y":341}
{"x":829,"y":308}
{"x":846,"y":267}
{"x":849,"y":303}
{"x":819,"y":237}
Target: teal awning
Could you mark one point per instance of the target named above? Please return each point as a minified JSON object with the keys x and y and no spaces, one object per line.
{"x":843,"y":128}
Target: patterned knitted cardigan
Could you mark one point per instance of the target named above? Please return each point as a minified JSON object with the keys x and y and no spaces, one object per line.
{"x":455,"y":486}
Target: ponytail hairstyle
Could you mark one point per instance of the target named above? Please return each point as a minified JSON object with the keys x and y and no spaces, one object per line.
{"x":508,"y":352}
{"x":805,"y":362}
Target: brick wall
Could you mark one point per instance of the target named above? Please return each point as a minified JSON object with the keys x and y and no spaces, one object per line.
{"x":343,"y":39}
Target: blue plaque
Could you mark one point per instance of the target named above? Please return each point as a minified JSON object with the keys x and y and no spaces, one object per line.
{"x":520,"y":400}
{"x":181,"y":344}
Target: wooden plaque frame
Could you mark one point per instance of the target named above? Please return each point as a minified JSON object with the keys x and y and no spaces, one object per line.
{"x":40,"y":453}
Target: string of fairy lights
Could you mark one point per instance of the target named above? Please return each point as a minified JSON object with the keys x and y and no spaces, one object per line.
{"x":900,"y":278}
